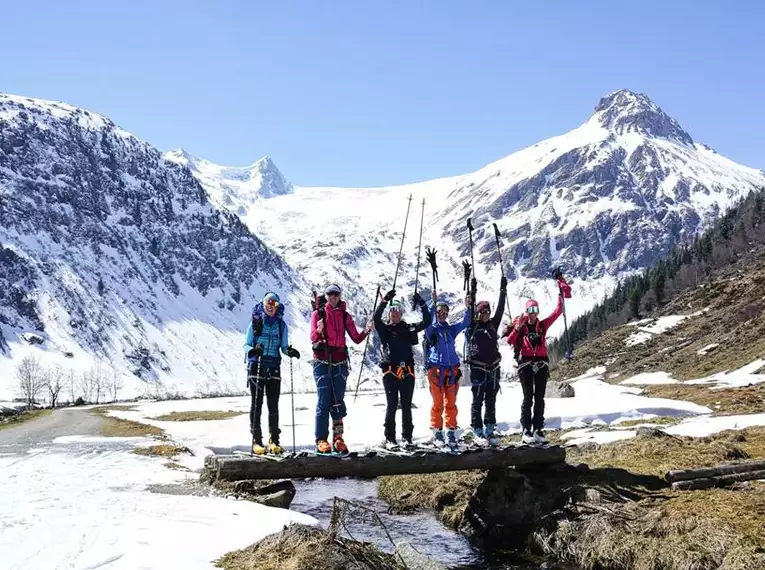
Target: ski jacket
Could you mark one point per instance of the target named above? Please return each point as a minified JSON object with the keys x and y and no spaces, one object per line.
{"x":529,"y":342}
{"x":441,"y":338}
{"x":270,"y":332}
{"x":397,"y":340}
{"x":337,"y":321}
{"x":483,"y":338}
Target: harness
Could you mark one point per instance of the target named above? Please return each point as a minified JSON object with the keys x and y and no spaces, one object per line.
{"x":401,"y":370}
{"x":536,"y":365}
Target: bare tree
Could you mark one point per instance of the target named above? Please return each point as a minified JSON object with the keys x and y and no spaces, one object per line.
{"x":99,"y":380}
{"x":71,"y":379}
{"x":30,"y":379}
{"x":54,"y":383}
{"x":115,"y":384}
{"x":86,"y":385}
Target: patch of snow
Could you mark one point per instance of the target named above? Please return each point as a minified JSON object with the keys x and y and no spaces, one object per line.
{"x":638,"y":338}
{"x":649,"y":378}
{"x":707,"y":349}
{"x":707,"y":425}
{"x":744,"y":376}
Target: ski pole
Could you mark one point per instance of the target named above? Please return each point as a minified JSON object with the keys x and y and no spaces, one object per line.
{"x":292,"y":398}
{"x":398,"y":263}
{"x":366,"y":344}
{"x":473,"y":282}
{"x":419,"y":248}
{"x":497,"y":235}
{"x":257,"y":376}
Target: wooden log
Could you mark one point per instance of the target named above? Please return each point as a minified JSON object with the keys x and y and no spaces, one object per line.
{"x":706,"y":472}
{"x":236,"y":468}
{"x":719,"y":481}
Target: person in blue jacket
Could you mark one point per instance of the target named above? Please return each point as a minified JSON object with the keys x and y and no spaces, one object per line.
{"x":443,"y":367}
{"x":267,"y":335}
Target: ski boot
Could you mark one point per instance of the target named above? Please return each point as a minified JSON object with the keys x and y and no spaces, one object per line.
{"x":438,"y":438}
{"x":451,"y":438}
{"x":274,"y":448}
{"x":539,"y":437}
{"x":323,"y":447}
{"x":492,"y":437}
{"x":480,"y":437}
{"x":391,"y":445}
{"x":407,"y":444}
{"x":527,"y":438}
{"x":257,"y":448}
{"x":338,"y":445}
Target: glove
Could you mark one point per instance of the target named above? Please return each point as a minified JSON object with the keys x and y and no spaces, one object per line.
{"x":389,"y":295}
{"x":418,"y":300}
{"x":256,"y":350}
{"x":503,"y":283}
{"x":292,"y":352}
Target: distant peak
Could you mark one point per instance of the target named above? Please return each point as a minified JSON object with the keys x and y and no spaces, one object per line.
{"x":626,"y":111}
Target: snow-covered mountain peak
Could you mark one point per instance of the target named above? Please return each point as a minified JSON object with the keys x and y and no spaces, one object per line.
{"x":625,"y":111}
{"x":235,"y":188}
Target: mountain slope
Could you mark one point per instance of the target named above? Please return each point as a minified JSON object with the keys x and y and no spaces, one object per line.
{"x":603,"y":200}
{"x":107,"y":249}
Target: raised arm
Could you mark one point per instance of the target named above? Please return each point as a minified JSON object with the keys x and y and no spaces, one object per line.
{"x":426,"y":316}
{"x":500,"y":311}
{"x":552,"y":317}
{"x":350,"y":326}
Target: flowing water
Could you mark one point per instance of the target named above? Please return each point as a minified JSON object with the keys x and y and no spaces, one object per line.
{"x":422,"y":530}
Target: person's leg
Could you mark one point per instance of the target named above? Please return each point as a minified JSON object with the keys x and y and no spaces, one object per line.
{"x":390,"y":383}
{"x":406,"y":389}
{"x":323,"y":401}
{"x":273,"y":391}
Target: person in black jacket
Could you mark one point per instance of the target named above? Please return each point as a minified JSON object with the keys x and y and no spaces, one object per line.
{"x":397,"y":338}
{"x":484,"y":362}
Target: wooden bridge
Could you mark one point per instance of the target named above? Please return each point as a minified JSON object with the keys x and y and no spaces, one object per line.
{"x":374,"y":463}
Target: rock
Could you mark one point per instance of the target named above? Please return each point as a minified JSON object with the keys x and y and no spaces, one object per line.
{"x":559,"y":390}
{"x":646,"y":431}
{"x":32,"y":338}
{"x":279,"y":494}
{"x":589,"y":446}
{"x":414,"y":560}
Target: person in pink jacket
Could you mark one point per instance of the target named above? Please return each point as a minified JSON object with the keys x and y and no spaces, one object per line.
{"x":329,"y":323}
{"x":528,"y":338}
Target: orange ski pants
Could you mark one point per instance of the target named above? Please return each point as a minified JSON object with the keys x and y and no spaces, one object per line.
{"x":444,"y":393}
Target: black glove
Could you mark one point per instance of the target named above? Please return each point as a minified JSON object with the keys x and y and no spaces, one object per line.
{"x":418,"y":300}
{"x":292,"y":352}
{"x":256,"y":350}
{"x":503,"y":283}
{"x":389,"y":295}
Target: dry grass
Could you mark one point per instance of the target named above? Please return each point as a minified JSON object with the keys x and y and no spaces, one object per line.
{"x":722,"y":401}
{"x":657,"y":455}
{"x":198,"y":416}
{"x":23,"y":417}
{"x":117,"y":427}
{"x":661,"y":420}
{"x":160,"y":450}
{"x":176,"y":466}
{"x":300,"y":547}
{"x":446,"y":493}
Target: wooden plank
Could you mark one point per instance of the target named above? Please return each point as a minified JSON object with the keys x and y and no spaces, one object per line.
{"x":719,"y":481}
{"x":706,"y":472}
{"x":236,"y":468}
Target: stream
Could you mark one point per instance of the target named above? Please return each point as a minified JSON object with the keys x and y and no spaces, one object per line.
{"x":422,"y":530}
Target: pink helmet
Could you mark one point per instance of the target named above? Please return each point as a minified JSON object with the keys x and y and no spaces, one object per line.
{"x":532,"y":306}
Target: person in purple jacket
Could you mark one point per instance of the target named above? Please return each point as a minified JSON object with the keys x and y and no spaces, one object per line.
{"x":484,"y":362}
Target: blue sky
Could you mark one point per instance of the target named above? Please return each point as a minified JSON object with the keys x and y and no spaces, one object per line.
{"x":374,"y":93}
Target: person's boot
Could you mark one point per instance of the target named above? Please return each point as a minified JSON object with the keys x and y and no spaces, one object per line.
{"x":451,"y":437}
{"x":274,"y":447}
{"x":438,"y":437}
{"x":528,"y":437}
{"x":539,"y":437}
{"x":323,"y":447}
{"x":338,"y":444}
{"x":492,"y":437}
{"x":257,"y":447}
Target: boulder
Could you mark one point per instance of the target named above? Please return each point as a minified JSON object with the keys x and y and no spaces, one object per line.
{"x":414,"y":560}
{"x":559,"y":390}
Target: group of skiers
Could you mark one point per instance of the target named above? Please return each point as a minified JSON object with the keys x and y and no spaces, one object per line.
{"x":267,"y":338}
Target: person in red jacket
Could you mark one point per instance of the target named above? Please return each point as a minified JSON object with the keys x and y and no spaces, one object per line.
{"x":329,"y":323}
{"x":527,"y":337}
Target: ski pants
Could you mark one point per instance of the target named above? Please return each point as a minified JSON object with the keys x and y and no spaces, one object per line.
{"x":444,"y":383}
{"x":534,"y":385}
{"x":264,"y":380}
{"x":330,"y":390}
{"x":399,"y":382}
{"x":485,"y":385}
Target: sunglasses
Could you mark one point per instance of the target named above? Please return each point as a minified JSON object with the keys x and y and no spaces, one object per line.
{"x":333,"y":294}
{"x":484,"y":312}
{"x":532,"y":309}
{"x":272,"y":303}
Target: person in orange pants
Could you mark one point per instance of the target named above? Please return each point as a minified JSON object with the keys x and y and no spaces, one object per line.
{"x":444,"y":372}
